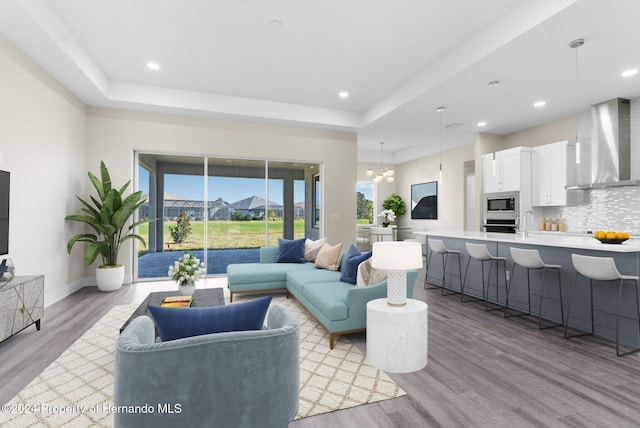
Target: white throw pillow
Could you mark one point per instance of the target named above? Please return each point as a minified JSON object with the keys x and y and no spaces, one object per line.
{"x":312,"y":248}
{"x":329,"y":257}
{"x":368,"y":275}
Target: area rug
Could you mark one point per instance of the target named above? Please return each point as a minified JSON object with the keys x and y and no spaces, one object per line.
{"x":76,"y":390}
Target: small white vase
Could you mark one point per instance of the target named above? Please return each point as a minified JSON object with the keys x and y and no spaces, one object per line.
{"x":187,"y":290}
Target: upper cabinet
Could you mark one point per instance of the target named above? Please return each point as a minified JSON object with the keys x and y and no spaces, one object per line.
{"x":549,"y":174}
{"x":506,"y":170}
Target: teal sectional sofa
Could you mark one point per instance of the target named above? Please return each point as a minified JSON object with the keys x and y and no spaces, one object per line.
{"x":339,"y":306}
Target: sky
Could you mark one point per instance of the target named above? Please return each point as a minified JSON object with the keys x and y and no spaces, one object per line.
{"x":230,"y":189}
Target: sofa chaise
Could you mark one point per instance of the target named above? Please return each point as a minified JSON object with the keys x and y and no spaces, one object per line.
{"x":339,"y":306}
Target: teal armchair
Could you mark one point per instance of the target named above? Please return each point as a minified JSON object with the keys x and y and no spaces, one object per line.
{"x":235,"y":379}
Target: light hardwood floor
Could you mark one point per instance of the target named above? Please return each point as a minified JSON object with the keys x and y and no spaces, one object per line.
{"x":483,"y":371}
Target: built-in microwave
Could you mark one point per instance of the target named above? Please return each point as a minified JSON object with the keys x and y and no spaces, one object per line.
{"x":501,"y":203}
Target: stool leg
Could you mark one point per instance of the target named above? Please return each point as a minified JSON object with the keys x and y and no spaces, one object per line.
{"x":426,"y":284}
{"x":473,"y":299}
{"x":618,"y":353}
{"x":486,"y":294}
{"x":566,"y":324}
{"x":544,"y":273}
{"x":426,"y":269}
{"x":445,"y":258}
{"x":506,"y":307}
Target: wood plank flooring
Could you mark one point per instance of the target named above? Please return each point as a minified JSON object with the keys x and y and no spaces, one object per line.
{"x":483,"y":371}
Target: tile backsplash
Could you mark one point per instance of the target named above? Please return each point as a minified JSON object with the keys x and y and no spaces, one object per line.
{"x":612,"y":208}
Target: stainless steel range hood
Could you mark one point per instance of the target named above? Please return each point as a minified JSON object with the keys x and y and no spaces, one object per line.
{"x":610,"y":146}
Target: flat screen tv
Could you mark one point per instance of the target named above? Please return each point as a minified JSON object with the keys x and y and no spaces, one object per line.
{"x":424,"y":201}
{"x":4,"y":212}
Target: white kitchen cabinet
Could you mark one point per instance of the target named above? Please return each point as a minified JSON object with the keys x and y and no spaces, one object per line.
{"x":512,"y":170}
{"x":549,"y":175}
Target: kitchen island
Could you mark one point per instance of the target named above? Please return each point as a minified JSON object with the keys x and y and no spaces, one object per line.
{"x":555,"y":250}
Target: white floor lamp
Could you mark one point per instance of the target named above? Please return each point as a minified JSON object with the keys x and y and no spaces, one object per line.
{"x":396,"y":257}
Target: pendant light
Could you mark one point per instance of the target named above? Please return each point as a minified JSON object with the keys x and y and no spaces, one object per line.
{"x":440,"y":110}
{"x":575,"y":44}
{"x":387,"y":173}
{"x":493,"y":85}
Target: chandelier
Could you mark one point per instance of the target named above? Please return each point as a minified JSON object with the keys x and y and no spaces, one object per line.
{"x":383,"y":172}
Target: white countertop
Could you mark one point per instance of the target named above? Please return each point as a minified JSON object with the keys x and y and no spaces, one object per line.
{"x":568,"y":241}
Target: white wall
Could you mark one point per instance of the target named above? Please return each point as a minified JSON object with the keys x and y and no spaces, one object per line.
{"x":451,"y":194}
{"x":113,"y":135}
{"x":42,"y":141}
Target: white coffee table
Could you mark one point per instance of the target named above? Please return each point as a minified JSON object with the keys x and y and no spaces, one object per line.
{"x":397,"y":336}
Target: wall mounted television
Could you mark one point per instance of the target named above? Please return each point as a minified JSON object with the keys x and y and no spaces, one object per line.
{"x":4,"y":212}
{"x":424,"y":201}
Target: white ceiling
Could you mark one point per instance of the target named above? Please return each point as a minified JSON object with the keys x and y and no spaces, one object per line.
{"x":398,"y":59}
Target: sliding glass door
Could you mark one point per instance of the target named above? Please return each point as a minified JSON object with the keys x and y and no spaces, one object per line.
{"x":222,"y":210}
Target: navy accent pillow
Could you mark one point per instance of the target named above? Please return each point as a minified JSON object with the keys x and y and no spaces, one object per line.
{"x":290,"y":251}
{"x":353,"y":258}
{"x":176,"y":323}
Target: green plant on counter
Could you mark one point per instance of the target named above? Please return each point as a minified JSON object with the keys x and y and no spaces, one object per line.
{"x":395,"y":203}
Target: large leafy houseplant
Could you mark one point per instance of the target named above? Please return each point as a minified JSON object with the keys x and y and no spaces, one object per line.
{"x":107,"y":215}
{"x":395,"y":203}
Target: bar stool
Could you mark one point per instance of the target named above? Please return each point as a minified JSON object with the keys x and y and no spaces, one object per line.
{"x":530,"y":259}
{"x":601,"y":269}
{"x":437,"y":247}
{"x":481,"y":253}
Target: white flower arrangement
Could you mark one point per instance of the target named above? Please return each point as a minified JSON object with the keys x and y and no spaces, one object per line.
{"x":388,"y":216}
{"x":186,"y":270}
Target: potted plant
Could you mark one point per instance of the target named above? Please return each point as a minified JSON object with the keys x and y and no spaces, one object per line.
{"x":186,"y":271}
{"x":107,"y":215}
{"x":395,"y":203}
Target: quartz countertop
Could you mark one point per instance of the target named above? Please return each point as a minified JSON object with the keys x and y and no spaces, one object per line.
{"x":582,"y":242}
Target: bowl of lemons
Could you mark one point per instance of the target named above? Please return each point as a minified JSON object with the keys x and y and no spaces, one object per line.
{"x":610,"y":237}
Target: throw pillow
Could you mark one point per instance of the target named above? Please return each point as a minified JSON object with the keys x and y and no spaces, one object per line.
{"x":290,"y":251}
{"x":311,"y":249}
{"x":368,"y":275}
{"x":350,"y":267}
{"x":176,"y":323}
{"x":329,"y":257}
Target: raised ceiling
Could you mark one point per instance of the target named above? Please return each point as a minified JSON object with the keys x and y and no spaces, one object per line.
{"x":284,"y":61}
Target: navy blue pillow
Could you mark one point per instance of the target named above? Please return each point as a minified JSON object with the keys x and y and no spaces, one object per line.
{"x":350,"y":269}
{"x":290,"y":251}
{"x":176,"y":323}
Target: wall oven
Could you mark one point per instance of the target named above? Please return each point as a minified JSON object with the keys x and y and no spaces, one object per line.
{"x":501,"y":212}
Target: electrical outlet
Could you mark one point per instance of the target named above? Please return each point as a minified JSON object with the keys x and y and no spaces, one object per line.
{"x":508,"y":275}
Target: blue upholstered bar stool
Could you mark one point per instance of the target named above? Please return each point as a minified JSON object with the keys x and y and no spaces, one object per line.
{"x":437,"y":247}
{"x":601,"y":269}
{"x":481,"y":253}
{"x":530,"y":259}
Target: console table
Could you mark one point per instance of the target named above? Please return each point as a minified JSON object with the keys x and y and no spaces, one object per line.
{"x":21,"y":304}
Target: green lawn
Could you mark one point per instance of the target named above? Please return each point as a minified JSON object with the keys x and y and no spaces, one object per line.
{"x":224,"y":234}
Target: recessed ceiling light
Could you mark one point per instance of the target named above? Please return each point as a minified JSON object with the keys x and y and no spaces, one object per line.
{"x":630,"y":72}
{"x":153,"y":66}
{"x":343,"y":94}
{"x":483,"y":123}
{"x":275,"y":23}
{"x":539,"y":103}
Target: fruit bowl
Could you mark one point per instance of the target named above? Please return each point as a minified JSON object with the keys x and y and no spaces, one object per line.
{"x":611,"y":240}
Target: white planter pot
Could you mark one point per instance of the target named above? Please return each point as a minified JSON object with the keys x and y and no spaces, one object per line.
{"x":187,"y":290}
{"x":110,"y":278}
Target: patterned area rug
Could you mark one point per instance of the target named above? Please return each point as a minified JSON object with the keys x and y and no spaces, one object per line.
{"x":76,"y":390}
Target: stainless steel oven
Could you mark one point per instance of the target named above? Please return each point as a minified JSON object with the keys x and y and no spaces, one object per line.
{"x":501,"y":212}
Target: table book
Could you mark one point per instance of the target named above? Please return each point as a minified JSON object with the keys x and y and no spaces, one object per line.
{"x":177,"y":301}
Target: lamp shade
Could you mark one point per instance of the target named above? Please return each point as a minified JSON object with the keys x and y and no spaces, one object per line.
{"x":396,"y":255}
